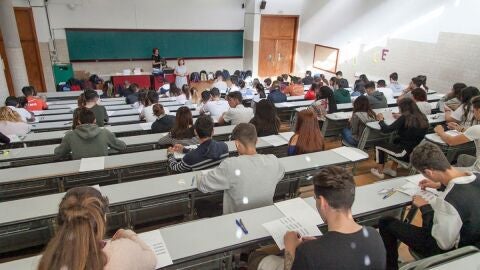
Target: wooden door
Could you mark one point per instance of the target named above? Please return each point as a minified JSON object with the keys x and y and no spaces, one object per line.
{"x":278,"y":36}
{"x":31,"y":52}
{"x":11,"y":91}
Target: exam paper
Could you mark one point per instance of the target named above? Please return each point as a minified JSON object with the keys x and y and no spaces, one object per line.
{"x":412,"y":187}
{"x":278,"y":228}
{"x":110,"y":113}
{"x":13,"y":138}
{"x":353,"y":154}
{"x":155,"y":240}
{"x":92,"y":164}
{"x":275,"y":140}
{"x":300,"y":210}
{"x":287,"y":135}
{"x":146,"y":126}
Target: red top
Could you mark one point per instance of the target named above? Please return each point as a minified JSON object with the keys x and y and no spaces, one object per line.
{"x":36,"y":104}
{"x":310,"y":95}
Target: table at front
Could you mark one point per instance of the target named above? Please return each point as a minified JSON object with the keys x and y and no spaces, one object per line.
{"x":143,"y":80}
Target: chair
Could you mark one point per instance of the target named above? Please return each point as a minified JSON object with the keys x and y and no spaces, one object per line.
{"x":430,"y":262}
{"x":404,"y":164}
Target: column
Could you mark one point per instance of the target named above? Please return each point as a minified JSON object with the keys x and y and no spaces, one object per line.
{"x":251,"y":37}
{"x":3,"y":82}
{"x":13,"y":47}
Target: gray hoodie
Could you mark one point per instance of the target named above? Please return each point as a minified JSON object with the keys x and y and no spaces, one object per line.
{"x":88,"y":141}
{"x":377,"y":100}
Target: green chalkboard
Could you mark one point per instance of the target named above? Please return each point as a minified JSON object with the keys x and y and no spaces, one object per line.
{"x":106,"y":44}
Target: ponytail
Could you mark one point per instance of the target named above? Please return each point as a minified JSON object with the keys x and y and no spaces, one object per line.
{"x":81,"y":101}
{"x":81,"y":228}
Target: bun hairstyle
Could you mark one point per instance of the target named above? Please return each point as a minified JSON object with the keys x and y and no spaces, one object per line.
{"x":81,"y":223}
{"x":87,"y":96}
{"x":158,"y":110}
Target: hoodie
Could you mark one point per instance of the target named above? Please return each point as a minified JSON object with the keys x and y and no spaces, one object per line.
{"x":208,"y":154}
{"x":377,"y":100}
{"x":88,"y":140}
{"x":342,"y":96}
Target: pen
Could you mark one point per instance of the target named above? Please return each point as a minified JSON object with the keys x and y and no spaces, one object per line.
{"x":389,"y":194}
{"x":241,"y":225}
{"x":193,"y":180}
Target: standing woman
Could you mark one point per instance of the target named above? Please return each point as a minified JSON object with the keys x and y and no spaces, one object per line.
{"x":307,"y":137}
{"x":78,"y":243}
{"x":411,"y":128}
{"x":89,"y":100}
{"x":181,"y":73}
{"x":157,"y":61}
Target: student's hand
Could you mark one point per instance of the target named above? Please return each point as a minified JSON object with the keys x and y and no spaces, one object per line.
{"x":178,"y":148}
{"x":380,"y":117}
{"x":292,"y":241}
{"x":121,"y":233}
{"x":427,"y":183}
{"x":308,"y":238}
{"x":170,"y":150}
{"x":447,"y":109}
{"x":418,"y":201}
{"x":396,"y":115}
{"x":452,"y":125}
{"x":439,"y":129}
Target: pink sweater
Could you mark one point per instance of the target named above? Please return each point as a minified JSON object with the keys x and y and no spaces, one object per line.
{"x":129,"y":254}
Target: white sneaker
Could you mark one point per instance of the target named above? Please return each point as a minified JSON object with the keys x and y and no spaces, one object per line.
{"x":375,"y":172}
{"x":390,"y":172}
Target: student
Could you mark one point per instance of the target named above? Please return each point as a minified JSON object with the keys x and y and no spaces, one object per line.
{"x":217,"y":106}
{"x":321,"y":79}
{"x":420,"y":97}
{"x":394,"y":85}
{"x":324,"y":104}
{"x":276,"y":95}
{"x":124,"y":90}
{"x":205,"y":97}
{"x":18,"y":105}
{"x":453,"y":99}
{"x":132,"y":96}
{"x":382,"y":87}
{"x":360,"y":85}
{"x":450,"y":220}
{"x":89,"y":99}
{"x":11,"y":123}
{"x":237,"y":113}
{"x":142,"y":100}
{"x":181,"y":73}
{"x":361,"y":115}
{"x":78,"y":242}
{"x":341,"y":94}
{"x":87,"y":139}
{"x":34,"y":103}
{"x":243,"y":178}
{"x":376,"y":98}
{"x":295,"y":88}
{"x":339,"y":75}
{"x":260,"y":94}
{"x":108,"y":90}
{"x":411,"y":128}
{"x":4,"y":139}
{"x":462,"y":117}
{"x":163,"y":122}
{"x":469,"y":163}
{"x":209,"y":152}
{"x":308,"y":80}
{"x":307,"y":137}
{"x":147,"y":114}
{"x":311,"y":94}
{"x":346,"y":244}
{"x":268,"y":83}
{"x":182,"y":132}
{"x":423,"y":80}
{"x":414,"y":83}
{"x":184,"y":95}
{"x":333,"y":82}
{"x":247,"y":93}
{"x":266,"y":120}
{"x":234,"y":86}
{"x":220,"y":83}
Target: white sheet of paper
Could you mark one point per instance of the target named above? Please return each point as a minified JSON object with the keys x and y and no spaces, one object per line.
{"x":388,"y":117}
{"x":299,"y":210}
{"x":287,"y":135}
{"x":155,"y":240}
{"x":278,"y":228}
{"x":146,"y":126}
{"x":92,"y":164}
{"x":37,"y":113}
{"x":110,"y":113}
{"x":275,"y":140}
{"x":342,"y":115}
{"x":13,"y":138}
{"x":350,"y":153}
{"x":412,"y":187}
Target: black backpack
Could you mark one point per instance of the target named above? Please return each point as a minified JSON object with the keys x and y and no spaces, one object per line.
{"x":195,"y":77}
{"x":225,"y":74}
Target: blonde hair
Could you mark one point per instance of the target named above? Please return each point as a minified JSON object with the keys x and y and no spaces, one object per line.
{"x":7,"y":114}
{"x":81,"y":228}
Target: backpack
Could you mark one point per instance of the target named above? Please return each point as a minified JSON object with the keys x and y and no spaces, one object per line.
{"x":210,"y":76}
{"x":203,"y":75}
{"x":194,"y":77}
{"x":225,"y":74}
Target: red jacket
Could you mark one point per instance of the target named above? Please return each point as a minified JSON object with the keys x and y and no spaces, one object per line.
{"x":310,"y":95}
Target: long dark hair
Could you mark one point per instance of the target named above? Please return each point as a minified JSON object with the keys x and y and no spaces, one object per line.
{"x":413,"y":116}
{"x":151,"y":98}
{"x":266,"y":118}
{"x":457,"y":91}
{"x":466,"y":96}
{"x":361,"y":104}
{"x":261,"y":90}
{"x":183,"y":123}
{"x":326,"y":92}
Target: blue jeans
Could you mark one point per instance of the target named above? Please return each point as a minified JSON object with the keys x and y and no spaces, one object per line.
{"x":348,"y":137}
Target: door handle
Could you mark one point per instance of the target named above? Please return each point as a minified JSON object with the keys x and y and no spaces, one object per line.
{"x":279,"y":58}
{"x":270,"y":58}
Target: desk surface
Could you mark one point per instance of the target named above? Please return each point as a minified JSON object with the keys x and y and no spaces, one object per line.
{"x":293,"y":104}
{"x":432,"y":120}
{"x":64,"y":94}
{"x":470,"y":262}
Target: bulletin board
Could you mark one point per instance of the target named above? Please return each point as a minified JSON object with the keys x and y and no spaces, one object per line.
{"x":325,"y":58}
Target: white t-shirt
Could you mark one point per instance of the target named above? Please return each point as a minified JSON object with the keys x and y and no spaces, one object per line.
{"x":387,"y":92}
{"x":181,"y":99}
{"x":424,"y":107}
{"x":238,"y":115}
{"x":473,"y":134}
{"x":147,"y":113}
{"x":23,"y":113}
{"x":466,"y":122}
{"x":216,"y":108}
{"x":221,"y":85}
